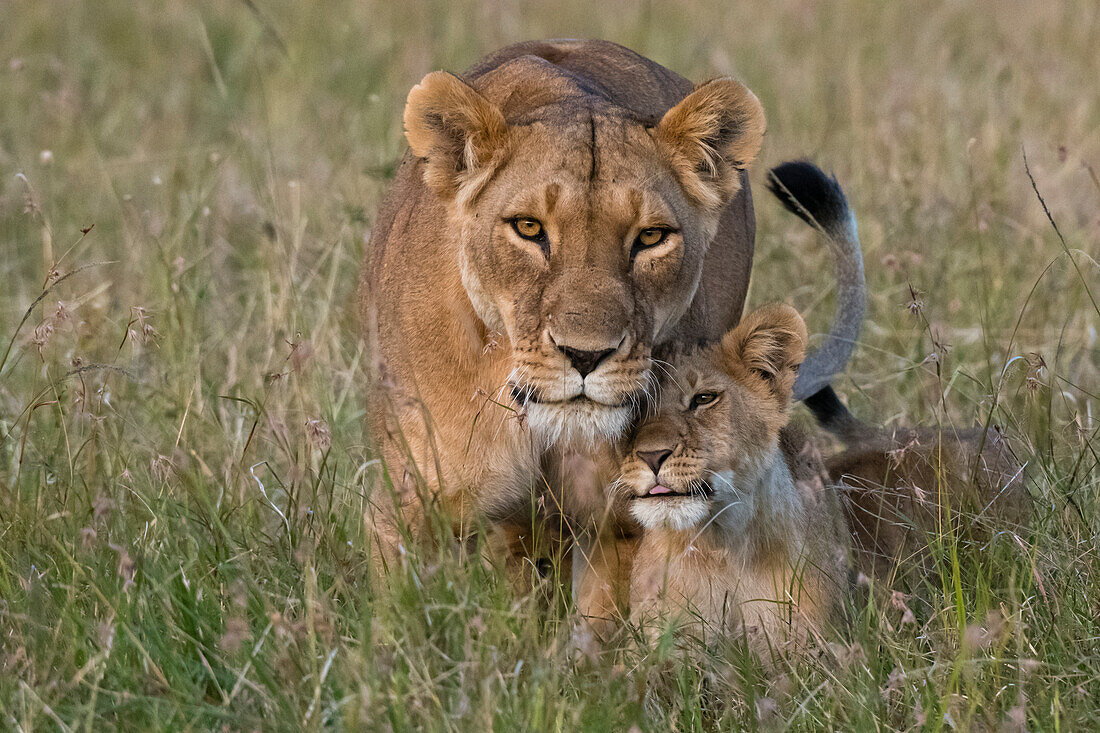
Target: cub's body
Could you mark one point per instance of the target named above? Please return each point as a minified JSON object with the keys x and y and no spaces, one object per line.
{"x":767,"y":566}
{"x":742,"y":535}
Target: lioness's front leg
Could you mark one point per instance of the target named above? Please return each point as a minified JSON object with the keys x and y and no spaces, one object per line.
{"x":601,"y":533}
{"x":601,"y":585}
{"x":452,"y":466}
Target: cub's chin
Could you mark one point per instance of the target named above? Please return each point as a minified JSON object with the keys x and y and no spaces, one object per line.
{"x":676,"y":512}
{"x":579,"y":422}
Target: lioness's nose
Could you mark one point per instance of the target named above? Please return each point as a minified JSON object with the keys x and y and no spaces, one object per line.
{"x":654,"y":458}
{"x":585,"y":361}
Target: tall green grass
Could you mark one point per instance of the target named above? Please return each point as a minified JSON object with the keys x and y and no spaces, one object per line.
{"x":183,"y":468}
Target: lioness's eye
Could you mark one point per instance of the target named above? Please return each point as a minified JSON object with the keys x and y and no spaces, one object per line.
{"x":649,"y":237}
{"x":528,"y":228}
{"x":702,"y":398}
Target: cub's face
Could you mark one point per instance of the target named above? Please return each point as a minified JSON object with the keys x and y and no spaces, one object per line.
{"x":582,"y":234}
{"x":718,"y":414}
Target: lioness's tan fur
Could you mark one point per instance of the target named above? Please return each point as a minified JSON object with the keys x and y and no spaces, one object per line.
{"x":471,"y":399}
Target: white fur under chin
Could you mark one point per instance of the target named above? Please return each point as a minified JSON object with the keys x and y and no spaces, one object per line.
{"x":762,"y":488}
{"x":677,"y":514}
{"x":581,"y":424}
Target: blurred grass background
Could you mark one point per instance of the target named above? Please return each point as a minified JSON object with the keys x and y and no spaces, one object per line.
{"x":183,"y":470}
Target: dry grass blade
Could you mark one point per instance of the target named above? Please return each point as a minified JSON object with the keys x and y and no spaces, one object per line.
{"x":39,"y":299}
{"x":1061,"y":239}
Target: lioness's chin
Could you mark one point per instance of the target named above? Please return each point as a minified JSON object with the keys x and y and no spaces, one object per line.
{"x":675,"y":513}
{"x":579,"y":422}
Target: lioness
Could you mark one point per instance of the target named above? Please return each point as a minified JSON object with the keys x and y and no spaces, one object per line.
{"x":564,"y":207}
{"x":731,"y":538}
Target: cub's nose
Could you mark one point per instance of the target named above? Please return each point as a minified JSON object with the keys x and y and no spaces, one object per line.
{"x":585,"y":361}
{"x":654,"y":458}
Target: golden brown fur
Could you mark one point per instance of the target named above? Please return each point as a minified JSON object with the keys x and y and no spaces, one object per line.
{"x":740,"y":531}
{"x":480,"y":334}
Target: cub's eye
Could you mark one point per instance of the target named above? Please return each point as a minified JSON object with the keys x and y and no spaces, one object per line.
{"x":702,"y":398}
{"x":648,"y":237}
{"x":528,"y":228}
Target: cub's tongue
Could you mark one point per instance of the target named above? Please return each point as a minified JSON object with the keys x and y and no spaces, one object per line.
{"x":658,"y":490}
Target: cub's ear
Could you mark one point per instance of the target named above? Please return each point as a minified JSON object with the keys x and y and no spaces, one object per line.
{"x":455,"y":129}
{"x":767,"y":346}
{"x":713,"y":134}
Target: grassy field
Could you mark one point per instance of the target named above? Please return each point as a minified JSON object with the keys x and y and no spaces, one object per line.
{"x":186,"y":191}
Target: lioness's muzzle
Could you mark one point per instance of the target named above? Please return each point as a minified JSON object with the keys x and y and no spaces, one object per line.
{"x":524,"y":394}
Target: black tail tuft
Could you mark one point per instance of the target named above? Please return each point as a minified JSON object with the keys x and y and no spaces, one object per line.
{"x":832,"y":415}
{"x":809,"y":193}
{"x":827,"y":408}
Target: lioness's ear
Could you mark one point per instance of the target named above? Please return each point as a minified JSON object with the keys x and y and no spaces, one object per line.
{"x":768,"y":344}
{"x":455,"y":129}
{"x":713,"y":133}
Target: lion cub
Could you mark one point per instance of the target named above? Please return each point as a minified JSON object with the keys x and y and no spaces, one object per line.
{"x":730,"y":537}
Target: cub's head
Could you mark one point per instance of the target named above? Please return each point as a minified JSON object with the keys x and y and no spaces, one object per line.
{"x":717,"y":417}
{"x":580,"y":230}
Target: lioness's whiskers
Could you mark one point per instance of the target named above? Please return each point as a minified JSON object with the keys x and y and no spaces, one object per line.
{"x":664,"y":366}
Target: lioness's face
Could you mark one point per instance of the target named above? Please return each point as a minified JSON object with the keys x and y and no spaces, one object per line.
{"x":718,"y":414}
{"x":583,"y":235}
{"x":582,"y":254}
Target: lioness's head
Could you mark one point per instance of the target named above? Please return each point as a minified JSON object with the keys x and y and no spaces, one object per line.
{"x":718,"y":415}
{"x":581,"y":229}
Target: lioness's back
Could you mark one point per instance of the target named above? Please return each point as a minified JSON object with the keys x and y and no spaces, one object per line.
{"x":601,"y":68}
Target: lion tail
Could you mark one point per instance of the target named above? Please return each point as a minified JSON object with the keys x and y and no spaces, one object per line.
{"x":816,"y":198}
{"x":832,"y":415}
